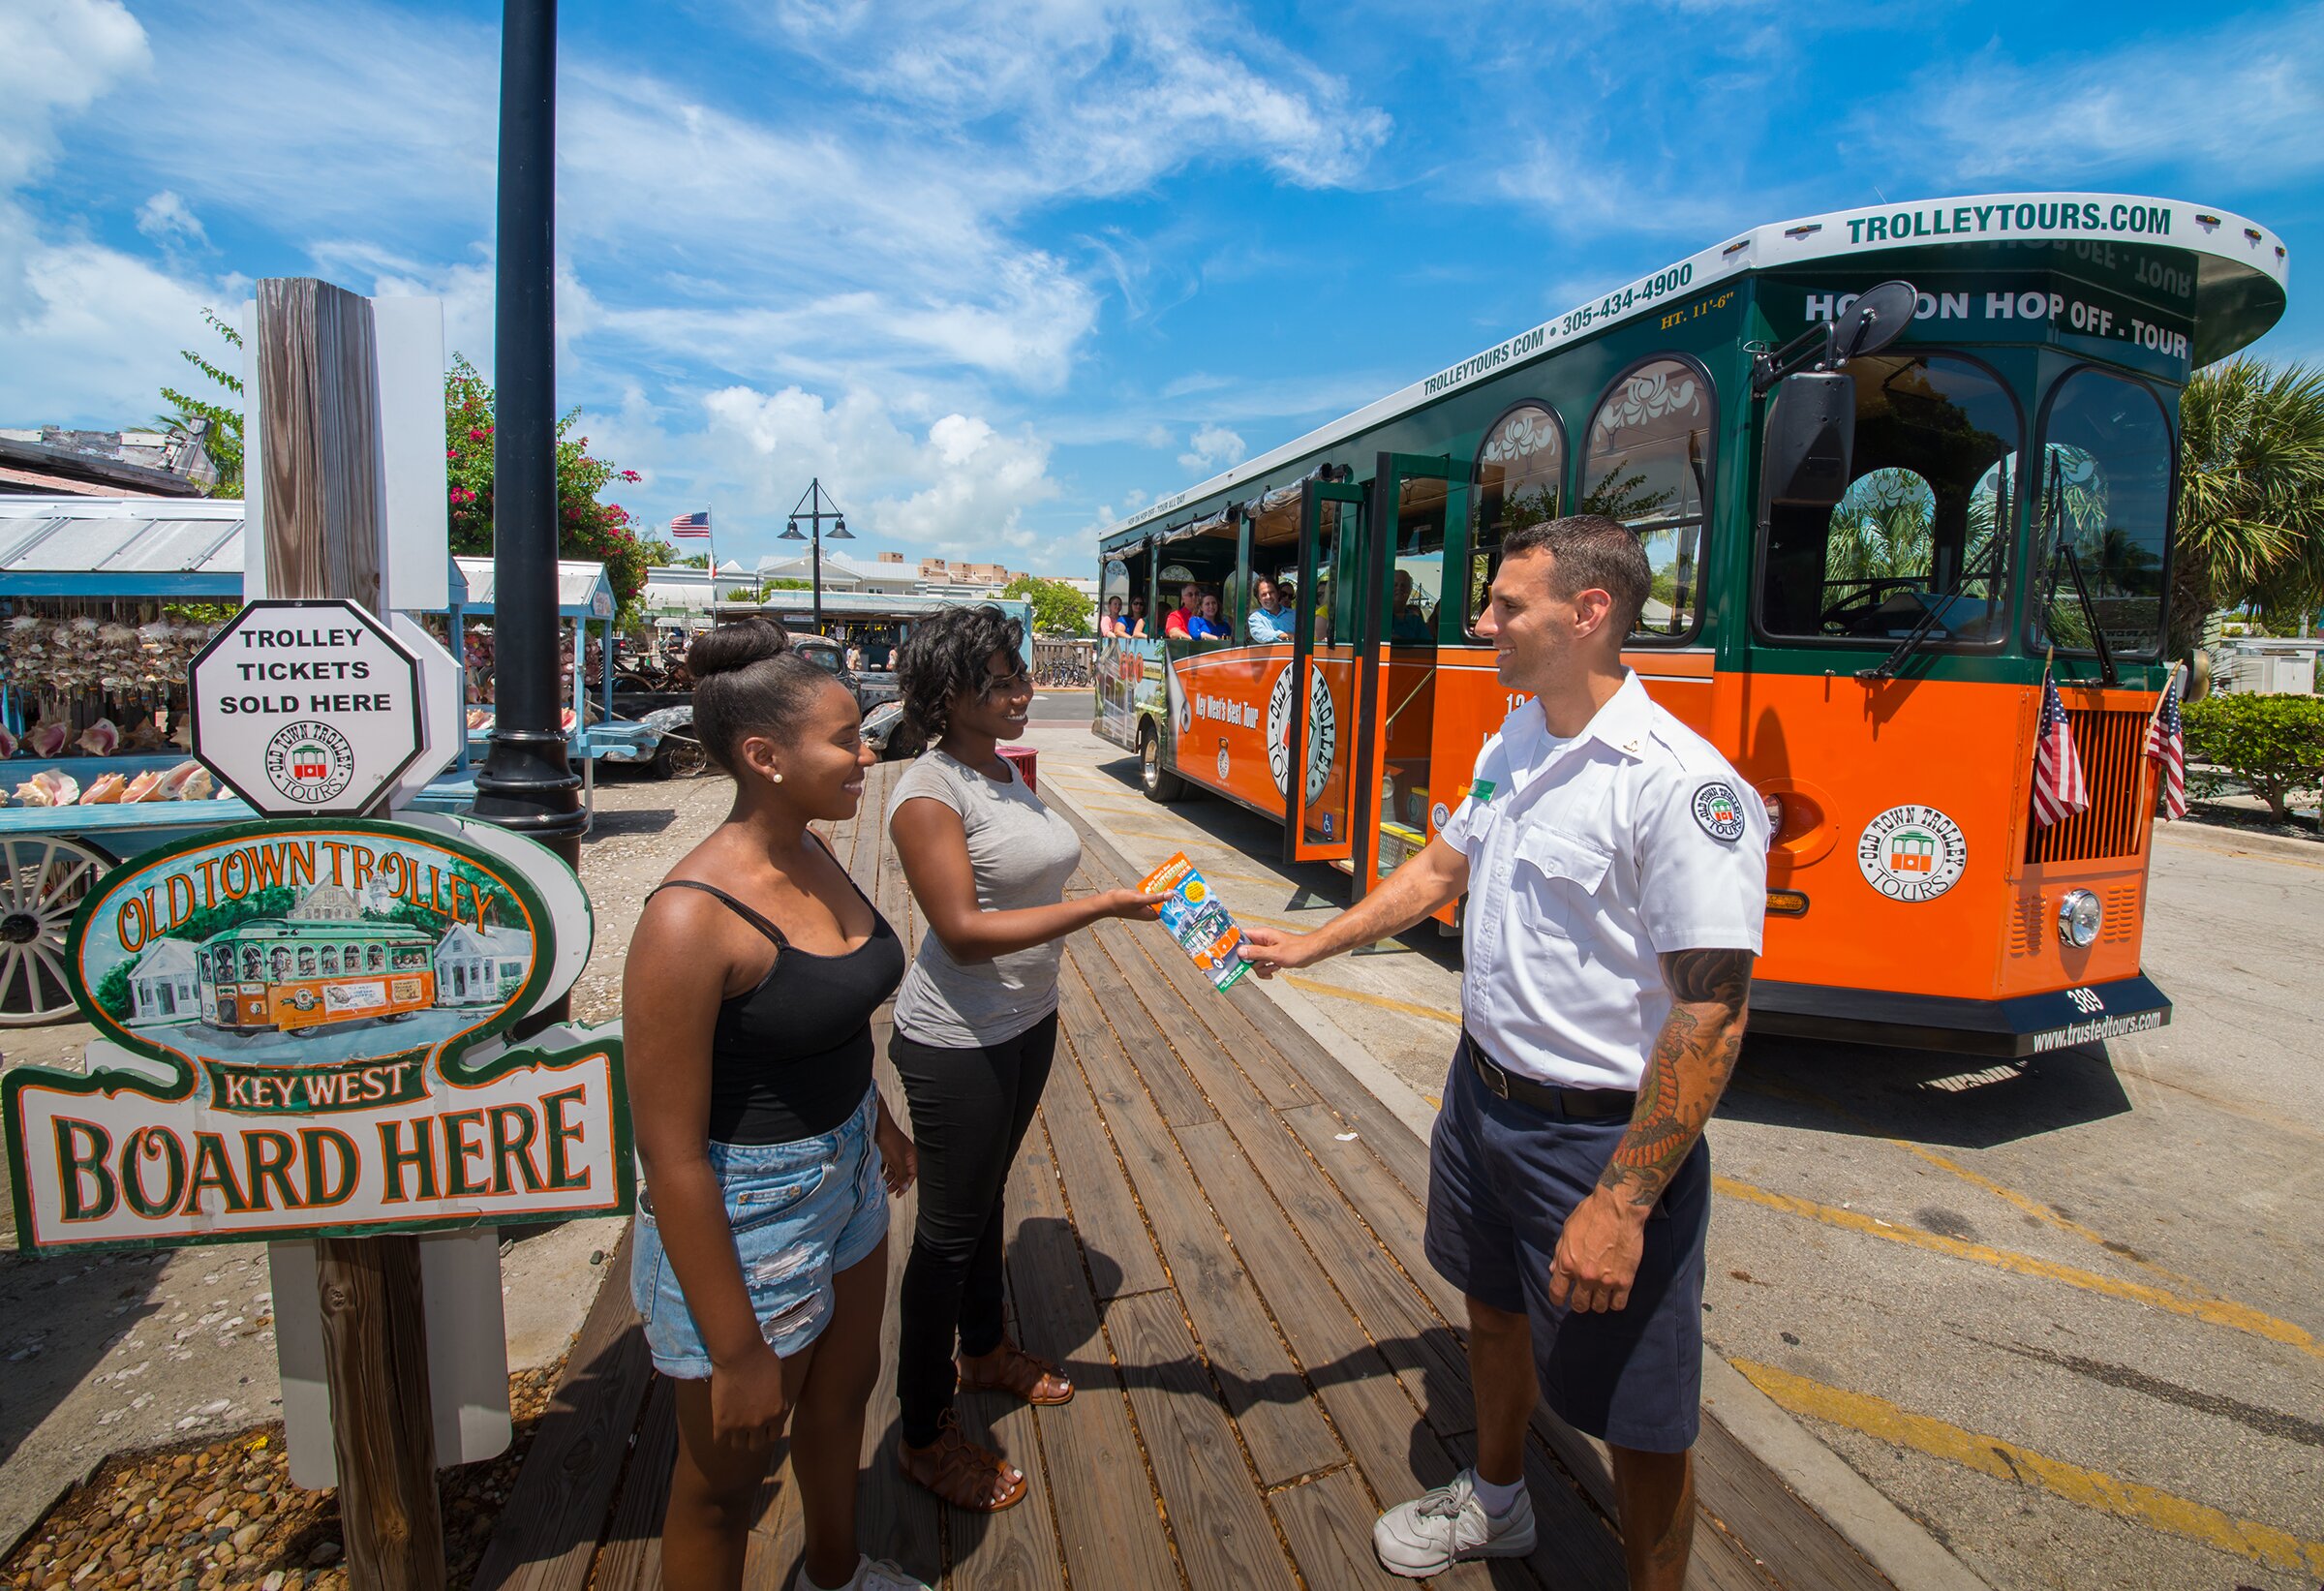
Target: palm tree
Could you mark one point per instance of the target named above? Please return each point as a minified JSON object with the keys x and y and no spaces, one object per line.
{"x":2251,"y":494}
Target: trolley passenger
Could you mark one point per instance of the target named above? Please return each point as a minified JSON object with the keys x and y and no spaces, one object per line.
{"x":1616,"y":872}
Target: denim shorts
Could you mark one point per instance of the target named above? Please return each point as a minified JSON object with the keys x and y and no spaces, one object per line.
{"x":802,"y":1212}
{"x":1503,"y":1176}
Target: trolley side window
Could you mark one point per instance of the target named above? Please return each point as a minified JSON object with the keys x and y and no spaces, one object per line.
{"x":1521,"y":479}
{"x":2105,"y":495}
{"x":1649,"y":464}
{"x":1922,"y":529}
{"x":1202,"y":557}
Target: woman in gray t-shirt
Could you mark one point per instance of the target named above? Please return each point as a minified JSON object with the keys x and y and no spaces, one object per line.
{"x":976,"y":1023}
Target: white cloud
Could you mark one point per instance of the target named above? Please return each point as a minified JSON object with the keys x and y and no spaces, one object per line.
{"x":2241,"y":104}
{"x":962,"y":485}
{"x":58,"y":57}
{"x":165,"y":219}
{"x":1212,"y":447}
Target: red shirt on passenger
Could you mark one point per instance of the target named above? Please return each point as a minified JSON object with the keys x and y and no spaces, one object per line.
{"x":1175,"y":623}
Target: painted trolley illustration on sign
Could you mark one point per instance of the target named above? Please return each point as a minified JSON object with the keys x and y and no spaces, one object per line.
{"x":303,"y":1029}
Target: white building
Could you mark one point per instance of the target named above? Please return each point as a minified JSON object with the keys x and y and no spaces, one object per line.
{"x":479,"y":966}
{"x":160,"y":986}
{"x":327,"y":904}
{"x":885,"y":577}
{"x":678,"y":595}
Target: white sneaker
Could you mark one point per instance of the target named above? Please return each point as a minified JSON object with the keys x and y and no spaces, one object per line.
{"x":1440,"y":1528}
{"x":881,"y":1575}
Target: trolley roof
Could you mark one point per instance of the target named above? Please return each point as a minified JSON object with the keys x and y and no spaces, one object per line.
{"x":2241,"y":276}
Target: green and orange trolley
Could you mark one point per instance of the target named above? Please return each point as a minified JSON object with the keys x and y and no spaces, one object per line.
{"x":1884,"y":464}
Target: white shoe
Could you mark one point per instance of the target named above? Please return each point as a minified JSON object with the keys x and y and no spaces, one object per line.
{"x":873,"y":1575}
{"x":1440,"y":1528}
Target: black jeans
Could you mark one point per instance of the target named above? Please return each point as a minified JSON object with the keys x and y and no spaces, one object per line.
{"x":970,"y":1109}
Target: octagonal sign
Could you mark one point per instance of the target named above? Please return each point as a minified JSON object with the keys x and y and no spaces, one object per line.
{"x":306,"y":707}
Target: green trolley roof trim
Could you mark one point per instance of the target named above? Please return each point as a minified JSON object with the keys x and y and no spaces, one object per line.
{"x":2241,"y":272}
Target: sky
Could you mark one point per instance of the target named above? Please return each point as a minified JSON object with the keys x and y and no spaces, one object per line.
{"x":999,"y":273}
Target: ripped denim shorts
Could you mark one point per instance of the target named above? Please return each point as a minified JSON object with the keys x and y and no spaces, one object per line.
{"x":802,"y":1212}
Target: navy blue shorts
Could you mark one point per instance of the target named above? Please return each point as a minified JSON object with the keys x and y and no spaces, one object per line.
{"x":1502,"y":1178}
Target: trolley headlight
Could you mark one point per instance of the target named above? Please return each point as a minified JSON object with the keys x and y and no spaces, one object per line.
{"x":1775,"y":812}
{"x":2079,"y":917}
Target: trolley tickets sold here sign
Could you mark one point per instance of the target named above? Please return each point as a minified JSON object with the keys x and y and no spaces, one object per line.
{"x":306,"y":707}
{"x":304,"y":1033}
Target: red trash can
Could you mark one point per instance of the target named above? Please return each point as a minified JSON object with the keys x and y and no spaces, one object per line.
{"x":1022,"y":758}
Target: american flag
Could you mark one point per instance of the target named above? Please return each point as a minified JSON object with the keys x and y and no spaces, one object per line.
{"x":2058,"y":788}
{"x":2166,"y":745}
{"x":694,"y":523}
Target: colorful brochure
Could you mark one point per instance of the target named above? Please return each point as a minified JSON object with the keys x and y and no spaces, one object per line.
{"x":1198,"y":921}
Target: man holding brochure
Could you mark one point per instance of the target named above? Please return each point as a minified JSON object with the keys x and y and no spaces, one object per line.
{"x":1616,"y":870}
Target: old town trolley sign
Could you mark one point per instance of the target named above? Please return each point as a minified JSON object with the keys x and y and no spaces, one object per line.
{"x":304,"y":1033}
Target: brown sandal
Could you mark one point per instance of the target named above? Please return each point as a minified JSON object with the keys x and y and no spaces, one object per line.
{"x":960,"y":1470}
{"x":1023,"y":1375}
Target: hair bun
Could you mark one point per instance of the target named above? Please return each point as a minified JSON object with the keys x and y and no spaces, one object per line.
{"x":737,"y":645}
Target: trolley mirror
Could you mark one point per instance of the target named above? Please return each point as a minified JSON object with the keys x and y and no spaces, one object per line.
{"x":1875,"y":319}
{"x":1810,"y":439}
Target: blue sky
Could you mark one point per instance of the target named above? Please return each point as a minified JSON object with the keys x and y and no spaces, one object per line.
{"x":1002,"y":272}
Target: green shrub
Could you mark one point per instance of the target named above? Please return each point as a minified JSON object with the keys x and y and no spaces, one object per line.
{"x":2274,"y":745}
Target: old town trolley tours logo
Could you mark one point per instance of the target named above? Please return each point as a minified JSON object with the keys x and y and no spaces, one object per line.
{"x":310,"y":761}
{"x":1912,"y":853}
{"x":304,"y":1031}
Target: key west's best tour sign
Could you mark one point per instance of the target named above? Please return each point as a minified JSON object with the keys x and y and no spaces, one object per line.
{"x":305,"y":1031}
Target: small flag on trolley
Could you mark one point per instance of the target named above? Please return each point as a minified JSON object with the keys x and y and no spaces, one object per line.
{"x":2058,"y":788}
{"x":2166,"y":748}
{"x":694,"y":523}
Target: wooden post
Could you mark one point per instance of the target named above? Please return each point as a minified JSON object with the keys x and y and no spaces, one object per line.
{"x":319,"y":427}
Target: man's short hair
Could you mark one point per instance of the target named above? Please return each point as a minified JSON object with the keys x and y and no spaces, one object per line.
{"x":1592,"y":551}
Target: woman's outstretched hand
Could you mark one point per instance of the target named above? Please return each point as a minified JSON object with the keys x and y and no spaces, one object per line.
{"x":1135,"y":905}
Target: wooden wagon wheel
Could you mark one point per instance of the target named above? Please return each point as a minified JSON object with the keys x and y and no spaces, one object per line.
{"x":42,"y":881}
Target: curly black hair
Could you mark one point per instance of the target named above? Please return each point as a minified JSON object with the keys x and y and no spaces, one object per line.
{"x":948,"y":654}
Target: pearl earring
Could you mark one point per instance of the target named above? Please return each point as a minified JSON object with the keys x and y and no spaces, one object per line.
{"x":776,"y":776}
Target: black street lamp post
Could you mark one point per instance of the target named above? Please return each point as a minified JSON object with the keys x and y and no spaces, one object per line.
{"x":810,"y":507}
{"x":527,"y":782}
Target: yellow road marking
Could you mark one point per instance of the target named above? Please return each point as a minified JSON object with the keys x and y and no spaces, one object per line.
{"x":2010,"y":1196}
{"x":1312,"y":986}
{"x":2143,"y":1505}
{"x":2211,"y":1311}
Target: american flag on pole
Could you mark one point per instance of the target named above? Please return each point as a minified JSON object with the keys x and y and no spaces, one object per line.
{"x":2166,"y":747}
{"x":2058,"y":788}
{"x":694,"y":523}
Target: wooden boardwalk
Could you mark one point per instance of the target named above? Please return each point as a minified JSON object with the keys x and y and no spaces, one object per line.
{"x":1217,"y":1231}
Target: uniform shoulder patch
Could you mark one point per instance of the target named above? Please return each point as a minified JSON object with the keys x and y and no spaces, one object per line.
{"x":1718,"y":809}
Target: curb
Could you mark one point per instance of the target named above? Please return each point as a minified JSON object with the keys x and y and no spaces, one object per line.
{"x":2226,"y":842}
{"x":1891,"y":1540}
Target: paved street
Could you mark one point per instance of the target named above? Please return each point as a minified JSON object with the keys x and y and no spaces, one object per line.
{"x":2065,"y":1311}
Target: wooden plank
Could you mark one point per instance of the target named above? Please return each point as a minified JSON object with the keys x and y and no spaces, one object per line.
{"x":1260,"y":1382}
{"x":319,"y":422}
{"x":375,"y":1353}
{"x":902,"y":1517}
{"x":1215,"y":1028}
{"x":632,"y":1559}
{"x":776,"y":1538}
{"x":549,"y":1529}
{"x":1384,"y":1204}
{"x":1422,"y":1350}
{"x":1224,"y":1536}
{"x":1794,"y":1542}
{"x":1018,"y":1546}
{"x":1329,"y":1523}
{"x":1120,"y":1251}
{"x":1107,"y":1000}
{"x":1104,"y":1500}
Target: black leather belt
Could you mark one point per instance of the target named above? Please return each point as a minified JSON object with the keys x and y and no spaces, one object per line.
{"x":1573,"y":1104}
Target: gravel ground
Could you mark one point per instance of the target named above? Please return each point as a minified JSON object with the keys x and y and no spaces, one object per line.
{"x":224,"y":1515}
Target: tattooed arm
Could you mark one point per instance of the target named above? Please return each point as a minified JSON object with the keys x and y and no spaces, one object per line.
{"x":1692,"y":1057}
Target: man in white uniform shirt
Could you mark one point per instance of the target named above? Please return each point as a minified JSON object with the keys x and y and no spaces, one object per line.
{"x":1616,"y":869}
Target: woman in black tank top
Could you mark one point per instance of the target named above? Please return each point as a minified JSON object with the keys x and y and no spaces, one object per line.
{"x":760,"y":1257}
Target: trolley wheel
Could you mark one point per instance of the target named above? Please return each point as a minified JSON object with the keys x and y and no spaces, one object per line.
{"x":42,"y":881}
{"x":1160,"y":785}
{"x":679,"y":757}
